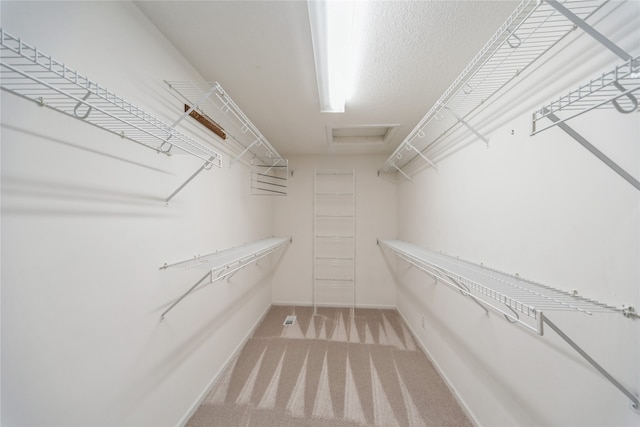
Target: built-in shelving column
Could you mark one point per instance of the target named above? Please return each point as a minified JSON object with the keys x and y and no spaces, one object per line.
{"x":334,"y":278}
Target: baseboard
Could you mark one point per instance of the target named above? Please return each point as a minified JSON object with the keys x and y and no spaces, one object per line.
{"x":192,"y":410}
{"x":308,"y":304}
{"x":444,"y":377}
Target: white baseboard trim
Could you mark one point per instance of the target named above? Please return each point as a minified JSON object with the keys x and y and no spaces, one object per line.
{"x":194,"y":407}
{"x":308,"y":304}
{"x":444,"y":377}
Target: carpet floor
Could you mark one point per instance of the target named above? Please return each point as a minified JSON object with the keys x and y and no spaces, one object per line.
{"x":332,"y":369}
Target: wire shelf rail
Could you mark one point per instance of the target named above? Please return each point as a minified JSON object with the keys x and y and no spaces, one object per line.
{"x":32,"y":74}
{"x":531,"y":30}
{"x":521,"y":301}
{"x":224,"y":264}
{"x":617,"y":88}
{"x":211,"y":100}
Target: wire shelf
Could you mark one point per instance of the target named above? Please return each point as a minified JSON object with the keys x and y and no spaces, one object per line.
{"x":531,"y":30}
{"x":222,"y":262}
{"x":617,"y":88}
{"x":211,"y":100}
{"x":225,"y":264}
{"x":268,"y":179}
{"x":519,"y":299}
{"x":32,"y":74}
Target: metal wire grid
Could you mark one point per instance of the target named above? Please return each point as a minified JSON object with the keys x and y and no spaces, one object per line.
{"x":227,"y":260}
{"x":35,"y":75}
{"x":617,"y":88}
{"x":212,"y":100}
{"x":531,"y":30}
{"x":267,"y":180}
{"x":522,"y":296}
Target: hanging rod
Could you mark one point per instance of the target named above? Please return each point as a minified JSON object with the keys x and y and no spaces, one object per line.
{"x":32,"y":74}
{"x":211,"y":100}
{"x":520,"y":300}
{"x":226,"y":263}
{"x":531,"y":30}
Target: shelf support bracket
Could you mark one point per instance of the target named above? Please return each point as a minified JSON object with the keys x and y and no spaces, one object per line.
{"x":411,"y":147}
{"x":402,"y":172}
{"x":191,"y":289}
{"x":468,"y":126}
{"x":235,"y":159}
{"x":205,"y":95}
{"x":635,"y":404}
{"x":590,"y":30}
{"x":464,"y":290}
{"x":599,"y":154}
{"x":207,"y":165}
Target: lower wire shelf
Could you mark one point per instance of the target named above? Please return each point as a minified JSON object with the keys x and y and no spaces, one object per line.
{"x":226,"y":263}
{"x":521,"y":301}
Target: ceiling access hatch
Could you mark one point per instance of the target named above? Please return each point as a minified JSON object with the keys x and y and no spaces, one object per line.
{"x":361,"y":135}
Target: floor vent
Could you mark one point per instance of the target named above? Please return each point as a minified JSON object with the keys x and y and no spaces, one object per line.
{"x":290,"y":320}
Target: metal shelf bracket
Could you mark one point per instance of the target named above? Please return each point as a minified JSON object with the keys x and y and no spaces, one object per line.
{"x":634,"y":403}
{"x":206,"y":166}
{"x":593,"y":150}
{"x":468,"y":126}
{"x":590,"y":30}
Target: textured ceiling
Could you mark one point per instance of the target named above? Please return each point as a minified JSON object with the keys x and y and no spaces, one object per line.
{"x":261,"y":53}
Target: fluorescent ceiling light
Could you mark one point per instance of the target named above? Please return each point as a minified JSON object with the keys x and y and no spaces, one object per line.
{"x":331,"y":34}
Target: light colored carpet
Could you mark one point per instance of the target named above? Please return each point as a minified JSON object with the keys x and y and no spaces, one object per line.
{"x":332,"y":369}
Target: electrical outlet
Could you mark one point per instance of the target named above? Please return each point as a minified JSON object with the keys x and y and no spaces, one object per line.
{"x":424,"y":321}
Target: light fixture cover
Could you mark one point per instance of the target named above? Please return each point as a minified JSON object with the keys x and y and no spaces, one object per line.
{"x":331,"y":34}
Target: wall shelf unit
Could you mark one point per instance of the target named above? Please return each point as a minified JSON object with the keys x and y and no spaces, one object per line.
{"x":521,"y":301}
{"x":224,"y":264}
{"x":211,"y":100}
{"x":531,"y":30}
{"x":334,"y":274}
{"x":617,"y":89}
{"x":32,"y":74}
{"x":269,"y":170}
{"x":268,"y":179}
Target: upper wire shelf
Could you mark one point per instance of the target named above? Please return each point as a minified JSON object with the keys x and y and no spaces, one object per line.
{"x":616,"y":88}
{"x":212,"y":101}
{"x":521,"y":301}
{"x":32,"y":74}
{"x":531,"y":30}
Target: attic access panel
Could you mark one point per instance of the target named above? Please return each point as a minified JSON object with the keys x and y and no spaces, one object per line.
{"x":361,"y":135}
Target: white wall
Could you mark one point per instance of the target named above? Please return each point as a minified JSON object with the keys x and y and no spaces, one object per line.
{"x":549,"y":210}
{"x":85,"y":230}
{"x":375,"y":217}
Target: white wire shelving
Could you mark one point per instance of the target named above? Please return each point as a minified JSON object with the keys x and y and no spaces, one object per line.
{"x":521,"y":301}
{"x":531,"y":30}
{"x":616,"y":88}
{"x":211,"y":100}
{"x":226,"y":263}
{"x":334,"y":238}
{"x":32,"y":74}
